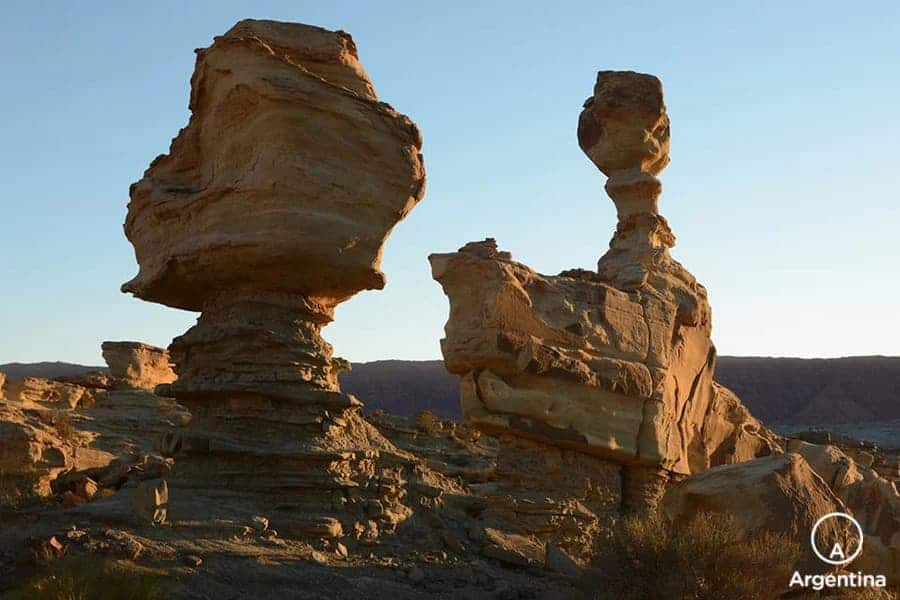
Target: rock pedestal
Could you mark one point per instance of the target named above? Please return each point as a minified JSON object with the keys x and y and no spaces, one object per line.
{"x":271,"y":208}
{"x":616,"y":363}
{"x":135,"y":365}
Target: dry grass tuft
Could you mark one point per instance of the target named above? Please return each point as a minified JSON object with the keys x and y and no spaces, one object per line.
{"x":429,"y":423}
{"x":88,"y":578}
{"x":649,"y":558}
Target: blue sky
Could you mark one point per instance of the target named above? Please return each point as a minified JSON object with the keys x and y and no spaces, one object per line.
{"x":782,"y":188}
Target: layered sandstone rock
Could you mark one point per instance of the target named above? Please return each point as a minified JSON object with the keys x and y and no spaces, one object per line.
{"x":36,"y":390}
{"x":271,"y":208}
{"x":32,"y":452}
{"x":616,"y":363}
{"x":135,"y":365}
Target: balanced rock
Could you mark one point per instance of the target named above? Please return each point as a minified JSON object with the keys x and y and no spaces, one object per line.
{"x":271,"y":208}
{"x":135,"y":365}
{"x":617,"y":363}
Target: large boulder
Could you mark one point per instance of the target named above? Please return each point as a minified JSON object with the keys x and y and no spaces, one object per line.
{"x":32,"y":452}
{"x":135,"y":365}
{"x":284,"y":119}
{"x":780,"y":494}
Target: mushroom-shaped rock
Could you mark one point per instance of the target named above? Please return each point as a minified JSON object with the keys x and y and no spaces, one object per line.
{"x":271,"y":208}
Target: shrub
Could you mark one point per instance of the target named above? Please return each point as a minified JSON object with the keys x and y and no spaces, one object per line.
{"x":16,"y":491}
{"x":428,"y":423}
{"x":708,"y":558}
{"x":88,"y":578}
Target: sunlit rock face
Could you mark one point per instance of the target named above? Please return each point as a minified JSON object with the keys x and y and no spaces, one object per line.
{"x":619,"y":362}
{"x":271,"y":208}
{"x":288,"y":178}
{"x":135,"y":365}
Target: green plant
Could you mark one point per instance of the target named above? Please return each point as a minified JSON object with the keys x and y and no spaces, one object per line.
{"x":429,"y":423}
{"x":708,"y":558}
{"x":88,"y":578}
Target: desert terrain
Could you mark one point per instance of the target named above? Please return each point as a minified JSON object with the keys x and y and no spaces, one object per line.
{"x":581,"y":437}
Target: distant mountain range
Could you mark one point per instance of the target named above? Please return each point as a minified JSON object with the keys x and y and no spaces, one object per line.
{"x":783,"y":391}
{"x":47,"y":370}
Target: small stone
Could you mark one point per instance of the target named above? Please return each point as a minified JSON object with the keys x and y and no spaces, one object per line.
{"x":269,"y":534}
{"x":150,"y":500}
{"x":557,"y":560}
{"x":260,"y":523}
{"x":193,"y":560}
{"x":341,"y":550}
{"x":318,"y":557}
{"x":71,"y":500}
{"x":451,"y":541}
{"x":374,"y":508}
{"x":86,"y":488}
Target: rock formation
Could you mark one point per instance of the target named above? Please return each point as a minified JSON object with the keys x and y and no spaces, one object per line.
{"x":138,"y":366}
{"x":271,"y":208}
{"x":617,"y":363}
{"x":32,"y":452}
{"x":870,"y":498}
{"x":36,"y":390}
{"x":781,"y":494}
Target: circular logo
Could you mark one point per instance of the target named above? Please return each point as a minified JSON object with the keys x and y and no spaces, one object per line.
{"x":837,"y":555}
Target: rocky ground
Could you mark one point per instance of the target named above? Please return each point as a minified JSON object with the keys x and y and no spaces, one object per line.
{"x":94,"y":501}
{"x":210,"y":548}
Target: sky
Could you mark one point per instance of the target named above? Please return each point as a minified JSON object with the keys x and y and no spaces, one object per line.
{"x":782,"y":190}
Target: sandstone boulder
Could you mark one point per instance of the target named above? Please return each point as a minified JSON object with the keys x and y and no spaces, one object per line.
{"x":780,"y":493}
{"x":2,"y":384}
{"x":135,"y":365}
{"x":32,"y":453}
{"x":284,"y":119}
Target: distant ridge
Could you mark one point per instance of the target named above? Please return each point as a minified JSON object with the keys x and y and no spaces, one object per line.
{"x":47,"y":370}
{"x":782,"y":390}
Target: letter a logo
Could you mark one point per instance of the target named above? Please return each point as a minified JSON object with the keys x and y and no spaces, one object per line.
{"x":837,"y":553}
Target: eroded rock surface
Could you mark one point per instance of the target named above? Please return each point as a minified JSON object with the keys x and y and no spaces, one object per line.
{"x":616,"y":363}
{"x":778,"y":493}
{"x":870,"y":498}
{"x":36,"y":390}
{"x":271,"y":208}
{"x":32,"y":452}
{"x":135,"y":365}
